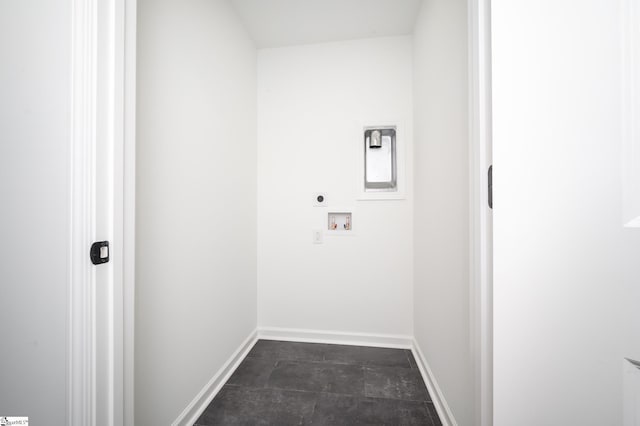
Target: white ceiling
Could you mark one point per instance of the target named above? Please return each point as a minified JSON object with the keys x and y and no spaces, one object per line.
{"x":275,"y":23}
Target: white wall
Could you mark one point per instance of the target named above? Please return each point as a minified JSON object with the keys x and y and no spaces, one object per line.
{"x":312,"y":102}
{"x":196,"y":200}
{"x":34,"y":217}
{"x":566,"y":277}
{"x":441,"y":294}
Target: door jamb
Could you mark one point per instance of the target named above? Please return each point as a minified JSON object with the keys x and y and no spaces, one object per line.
{"x":81,"y":356}
{"x":129,"y":188}
{"x":480,"y":226}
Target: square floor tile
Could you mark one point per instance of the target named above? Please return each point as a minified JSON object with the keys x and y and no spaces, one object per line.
{"x":347,"y":410}
{"x":413,"y":413}
{"x":364,"y":355}
{"x":253,"y":372}
{"x":237,"y":405}
{"x":295,"y":351}
{"x":395,"y":383}
{"x":318,"y":377}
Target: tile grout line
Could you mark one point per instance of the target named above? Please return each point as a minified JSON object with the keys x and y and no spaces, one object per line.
{"x":408,"y":355}
{"x":364,"y":382}
{"x":313,"y":410}
{"x":266,"y":382}
{"x":426,"y":407}
{"x":330,"y":393}
{"x":330,"y":362}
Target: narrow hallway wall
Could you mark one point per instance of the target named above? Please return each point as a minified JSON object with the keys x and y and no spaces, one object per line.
{"x":441,"y":241}
{"x":35,"y":104}
{"x":196,"y":200}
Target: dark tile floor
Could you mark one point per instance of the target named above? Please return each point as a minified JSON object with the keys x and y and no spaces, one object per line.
{"x":285,"y":383}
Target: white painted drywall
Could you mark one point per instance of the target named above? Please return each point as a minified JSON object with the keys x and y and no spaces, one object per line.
{"x":312,"y":102}
{"x":566,"y":276}
{"x":35,"y":103}
{"x":196,"y":200}
{"x":441,"y":188}
{"x":278,"y":23}
{"x":631,"y":111}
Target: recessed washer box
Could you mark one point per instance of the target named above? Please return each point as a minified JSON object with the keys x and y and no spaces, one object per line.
{"x":339,"y":222}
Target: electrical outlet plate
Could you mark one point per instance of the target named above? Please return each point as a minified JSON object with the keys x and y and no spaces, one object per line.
{"x":317,"y":236}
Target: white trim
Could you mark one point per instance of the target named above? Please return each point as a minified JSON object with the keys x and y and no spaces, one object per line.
{"x":335,"y":337}
{"x":81,"y":404}
{"x":437,"y":397}
{"x":480,"y":224}
{"x":117,"y":87}
{"x":108,"y":334}
{"x":193,"y":411}
{"x":129,"y":200}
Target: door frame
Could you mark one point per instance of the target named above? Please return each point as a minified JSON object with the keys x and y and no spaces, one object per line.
{"x":102,"y":32}
{"x":129,"y":203}
{"x":80,"y":320}
{"x":81,"y":351}
{"x":481,"y":222}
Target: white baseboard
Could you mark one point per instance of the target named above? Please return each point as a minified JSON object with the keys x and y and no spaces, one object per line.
{"x":446,"y":416}
{"x":335,"y":337}
{"x":195,"y":409}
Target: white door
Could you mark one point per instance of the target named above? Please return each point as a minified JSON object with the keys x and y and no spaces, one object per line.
{"x":34,"y":209}
{"x":561,"y":310}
